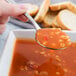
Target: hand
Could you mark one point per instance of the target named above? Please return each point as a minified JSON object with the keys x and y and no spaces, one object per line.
{"x":7,"y":10}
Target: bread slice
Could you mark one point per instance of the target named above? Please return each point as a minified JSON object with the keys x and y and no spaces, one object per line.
{"x":66,"y":20}
{"x":49,"y":17}
{"x":63,"y":5}
{"x":72,"y":7}
{"x":31,"y":9}
{"x":43,"y":10}
{"x":55,"y":24}
{"x":59,"y":6}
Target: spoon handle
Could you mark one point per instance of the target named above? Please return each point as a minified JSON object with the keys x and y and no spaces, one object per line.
{"x":33,"y":21}
{"x":27,"y":15}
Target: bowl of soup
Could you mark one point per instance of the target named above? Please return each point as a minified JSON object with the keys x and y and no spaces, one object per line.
{"x":22,"y":56}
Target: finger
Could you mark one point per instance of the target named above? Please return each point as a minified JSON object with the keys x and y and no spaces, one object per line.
{"x":12,"y":9}
{"x":3,"y":19}
{"x":22,"y":18}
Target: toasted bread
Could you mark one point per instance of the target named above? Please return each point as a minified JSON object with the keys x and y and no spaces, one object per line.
{"x":49,"y":17}
{"x":66,"y":20}
{"x":43,"y":10}
{"x":59,"y":6}
{"x":72,"y":7}
{"x":63,"y":5}
{"x":31,"y":9}
{"x":55,"y":24}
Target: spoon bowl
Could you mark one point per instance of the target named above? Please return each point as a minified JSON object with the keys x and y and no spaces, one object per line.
{"x":52,"y":38}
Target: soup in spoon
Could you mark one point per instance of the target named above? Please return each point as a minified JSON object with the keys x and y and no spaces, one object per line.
{"x":53,"y":38}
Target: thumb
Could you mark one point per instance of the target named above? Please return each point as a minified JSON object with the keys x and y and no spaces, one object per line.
{"x":12,"y":9}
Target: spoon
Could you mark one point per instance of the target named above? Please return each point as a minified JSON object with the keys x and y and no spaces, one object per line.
{"x":51,"y":38}
{"x":59,"y":40}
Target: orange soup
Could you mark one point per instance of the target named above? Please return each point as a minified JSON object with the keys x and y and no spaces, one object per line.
{"x":53,"y":38}
{"x":30,"y":59}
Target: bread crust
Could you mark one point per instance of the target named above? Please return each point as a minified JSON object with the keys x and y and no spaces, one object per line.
{"x":64,"y":5}
{"x":59,"y":6}
{"x":31,"y":9}
{"x":42,"y":12}
{"x":46,"y":25}
{"x":55,"y":24}
{"x":34,"y":10}
{"x":49,"y":17}
{"x":72,"y":7}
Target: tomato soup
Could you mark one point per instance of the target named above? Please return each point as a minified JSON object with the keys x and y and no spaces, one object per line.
{"x":53,"y":38}
{"x":30,"y":59}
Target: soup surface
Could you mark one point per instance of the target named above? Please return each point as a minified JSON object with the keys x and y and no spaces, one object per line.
{"x":30,"y":59}
{"x":53,"y":38}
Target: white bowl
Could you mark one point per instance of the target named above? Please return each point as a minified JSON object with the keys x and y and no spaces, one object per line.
{"x":8,"y":50}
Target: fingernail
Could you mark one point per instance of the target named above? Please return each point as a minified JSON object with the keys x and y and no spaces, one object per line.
{"x":23,"y":18}
{"x":22,"y":6}
{"x":19,"y":10}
